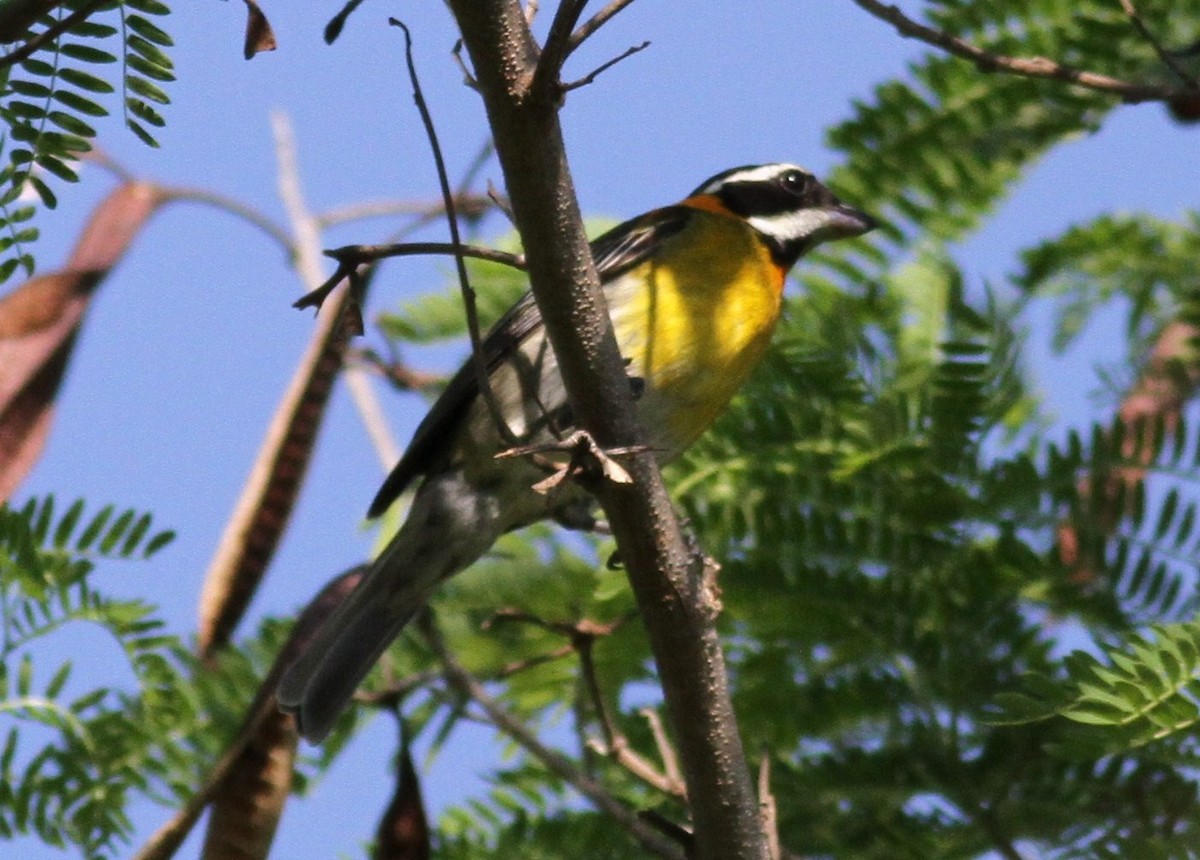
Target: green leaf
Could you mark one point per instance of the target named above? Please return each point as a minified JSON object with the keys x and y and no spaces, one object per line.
{"x":150,"y":32}
{"x":146,"y":89}
{"x":85,"y":80}
{"x":79,"y":103}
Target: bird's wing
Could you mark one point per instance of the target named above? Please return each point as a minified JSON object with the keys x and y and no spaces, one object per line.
{"x":615,"y":252}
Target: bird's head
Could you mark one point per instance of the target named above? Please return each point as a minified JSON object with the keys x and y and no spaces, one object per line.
{"x":787,"y":206}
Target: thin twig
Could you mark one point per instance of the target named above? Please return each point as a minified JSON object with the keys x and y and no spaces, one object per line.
{"x":596,"y":72}
{"x":50,"y":34}
{"x":350,"y":257}
{"x":615,"y":745}
{"x":468,"y":78}
{"x":594,"y":23}
{"x":468,"y":292}
{"x":768,"y":812}
{"x":666,"y":750}
{"x":308,"y":265}
{"x":470,"y":206}
{"x":400,"y":375}
{"x":503,"y":205}
{"x":468,"y":686}
{"x":235,"y":207}
{"x":359,"y":254}
{"x":1029,"y":67}
{"x":1163,"y":54}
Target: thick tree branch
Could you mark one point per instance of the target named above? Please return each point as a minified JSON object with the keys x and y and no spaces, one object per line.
{"x":667,"y":578}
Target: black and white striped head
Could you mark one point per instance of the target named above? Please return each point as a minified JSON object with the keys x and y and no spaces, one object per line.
{"x":787,"y":206}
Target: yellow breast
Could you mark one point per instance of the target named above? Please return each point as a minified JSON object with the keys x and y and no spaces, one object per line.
{"x":694,"y":322}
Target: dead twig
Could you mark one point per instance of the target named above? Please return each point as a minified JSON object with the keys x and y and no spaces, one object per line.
{"x":468,"y":292}
{"x":590,"y":26}
{"x":401,"y":376}
{"x":470,"y":688}
{"x":587,"y":457}
{"x":471,"y":207}
{"x":350,"y":257}
{"x":768,"y":812}
{"x":666,"y":750}
{"x":603,"y":67}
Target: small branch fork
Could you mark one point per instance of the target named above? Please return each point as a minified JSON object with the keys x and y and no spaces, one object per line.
{"x":468,"y":686}
{"x":587,"y":458}
{"x":582,"y":636}
{"x":563,"y":39}
{"x":1033,"y":67}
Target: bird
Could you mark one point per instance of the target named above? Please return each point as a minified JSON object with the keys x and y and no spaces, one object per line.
{"x":694,"y":291}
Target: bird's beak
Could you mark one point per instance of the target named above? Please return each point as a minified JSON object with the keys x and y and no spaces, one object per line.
{"x":845,"y":222}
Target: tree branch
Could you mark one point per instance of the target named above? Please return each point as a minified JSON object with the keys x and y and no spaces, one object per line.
{"x":591,"y":25}
{"x":667,"y":578}
{"x":1029,"y":67}
{"x":49,"y":34}
{"x":461,"y":680}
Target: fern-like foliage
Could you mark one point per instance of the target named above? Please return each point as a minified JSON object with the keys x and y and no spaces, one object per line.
{"x":50,"y":99}
{"x":1145,"y":690}
{"x":73,"y":752}
{"x":1147,"y":261}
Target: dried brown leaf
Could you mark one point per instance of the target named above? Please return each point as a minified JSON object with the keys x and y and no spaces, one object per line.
{"x":259,"y":35}
{"x":39,"y":321}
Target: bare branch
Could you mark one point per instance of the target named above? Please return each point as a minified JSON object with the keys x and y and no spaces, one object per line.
{"x":767,"y":811}
{"x":235,"y":207}
{"x":1029,"y":67}
{"x":586,"y":458}
{"x":615,"y":745}
{"x":503,"y":205}
{"x":354,"y":255}
{"x":468,"y":686}
{"x":482,"y":377}
{"x":350,"y":257}
{"x":400,"y":375}
{"x":594,"y":23}
{"x":471,"y":206}
{"x":591,"y":76}
{"x":666,"y":751}
{"x":468,"y":78}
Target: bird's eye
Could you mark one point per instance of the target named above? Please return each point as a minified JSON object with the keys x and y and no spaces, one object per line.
{"x":794,"y":181}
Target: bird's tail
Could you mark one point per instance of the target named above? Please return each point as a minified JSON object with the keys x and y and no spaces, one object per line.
{"x":444,"y":532}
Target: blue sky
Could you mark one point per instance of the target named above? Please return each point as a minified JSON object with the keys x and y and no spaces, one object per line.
{"x":187,"y":349}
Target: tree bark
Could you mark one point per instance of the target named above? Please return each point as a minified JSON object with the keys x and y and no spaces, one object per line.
{"x":667,"y":578}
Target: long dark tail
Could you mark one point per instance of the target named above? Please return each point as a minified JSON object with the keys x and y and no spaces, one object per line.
{"x":449,"y":526}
